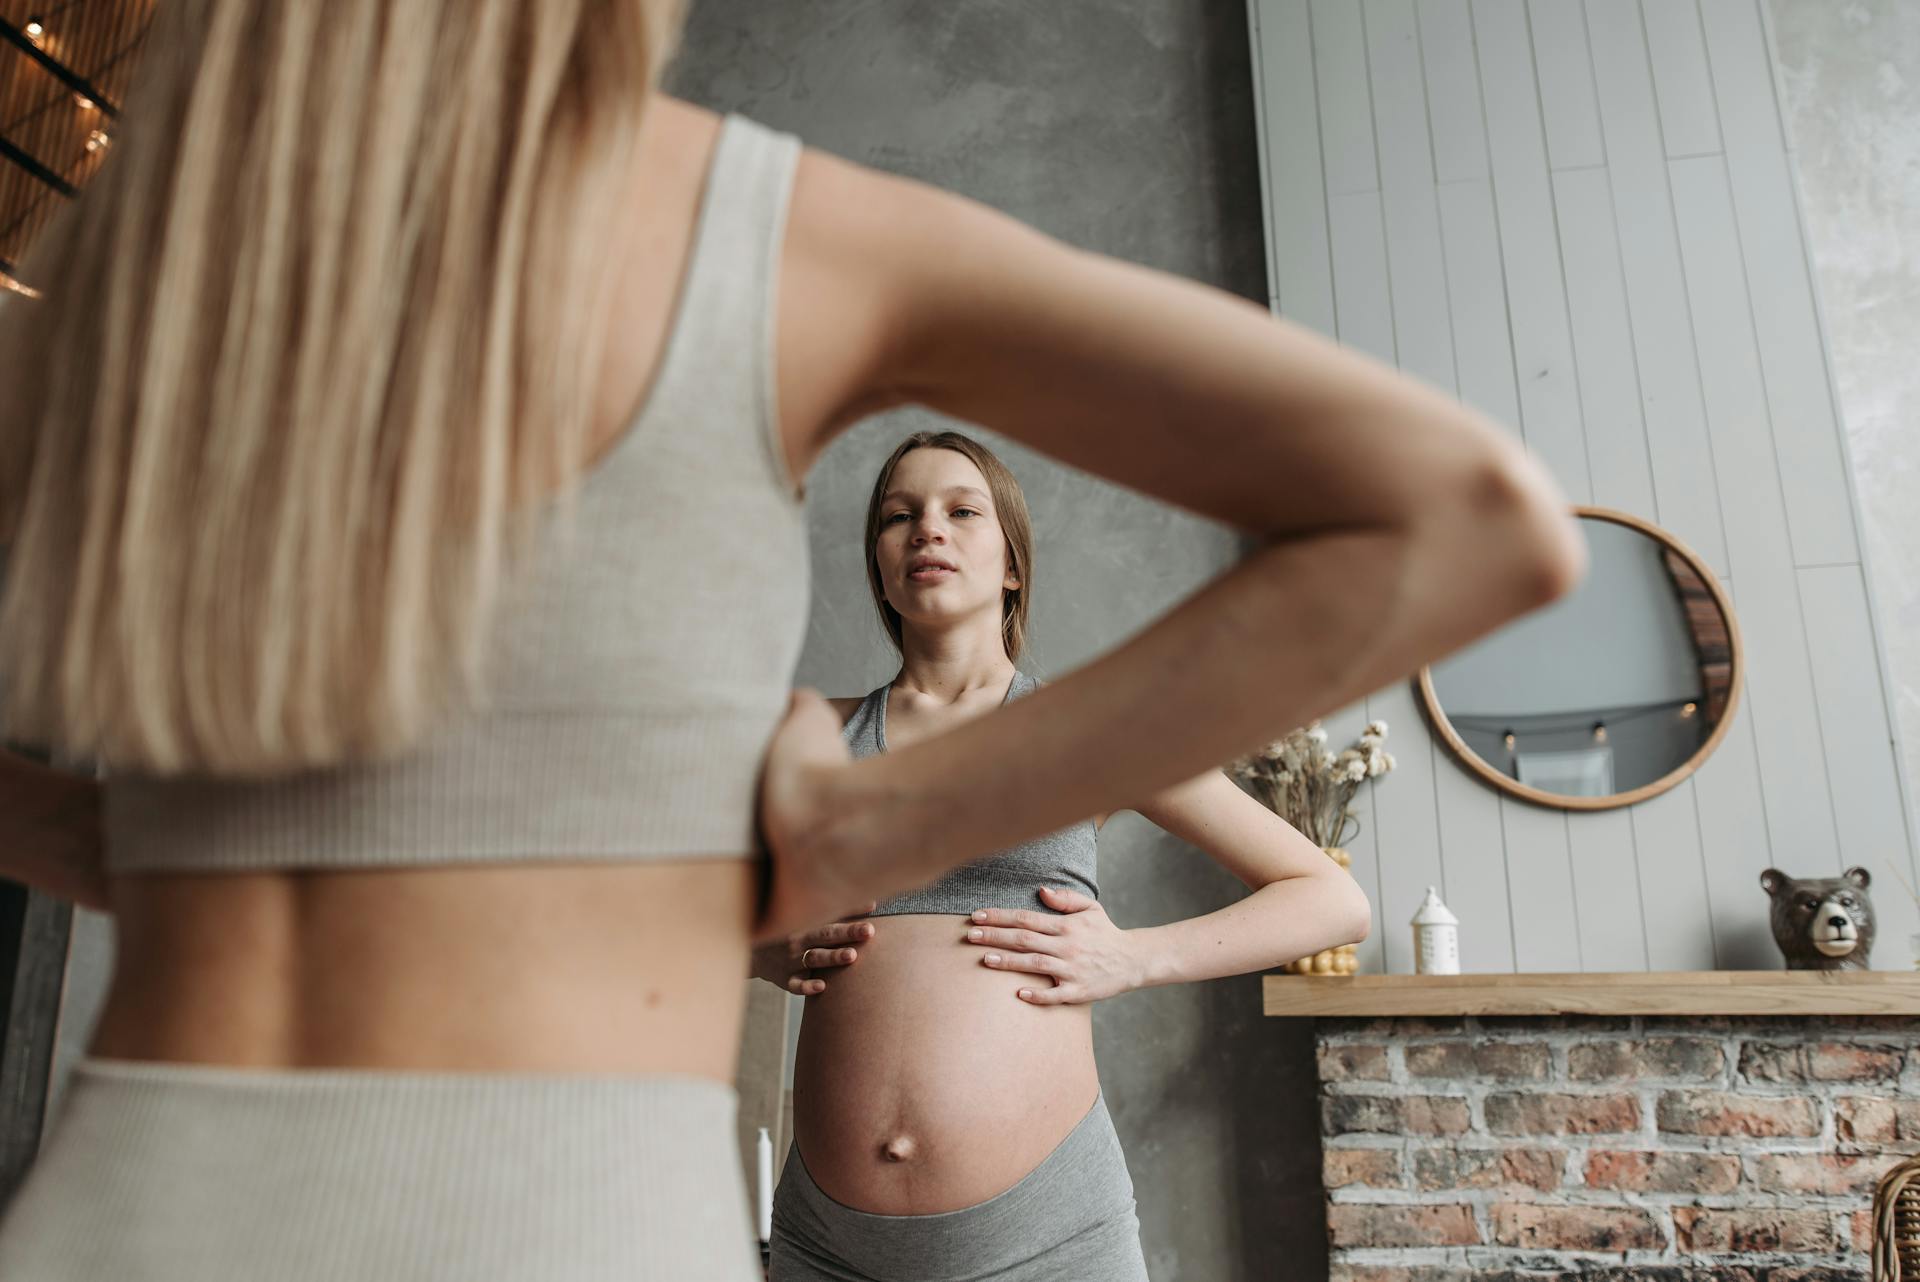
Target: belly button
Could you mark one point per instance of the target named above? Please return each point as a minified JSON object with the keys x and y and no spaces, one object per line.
{"x":901,"y":1148}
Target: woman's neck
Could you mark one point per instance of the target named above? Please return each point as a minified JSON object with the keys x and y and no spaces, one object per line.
{"x":948,"y":668}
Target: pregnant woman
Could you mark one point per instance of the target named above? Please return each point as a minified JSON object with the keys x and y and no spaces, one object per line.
{"x":948,"y":1118}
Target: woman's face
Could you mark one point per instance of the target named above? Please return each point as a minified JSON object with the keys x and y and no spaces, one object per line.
{"x":940,"y":549}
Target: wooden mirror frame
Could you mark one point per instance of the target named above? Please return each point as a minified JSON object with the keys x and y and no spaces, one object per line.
{"x":1437,"y":719}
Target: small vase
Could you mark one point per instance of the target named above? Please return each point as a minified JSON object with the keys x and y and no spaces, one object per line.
{"x":1344,"y":960}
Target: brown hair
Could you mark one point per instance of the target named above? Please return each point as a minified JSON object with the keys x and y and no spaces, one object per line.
{"x":1009,"y":504}
{"x":313,"y":342}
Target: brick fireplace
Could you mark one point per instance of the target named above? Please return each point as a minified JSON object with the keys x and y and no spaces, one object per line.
{"x":1655,"y":1148}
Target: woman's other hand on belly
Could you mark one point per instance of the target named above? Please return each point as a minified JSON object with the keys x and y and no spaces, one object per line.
{"x":799,"y":962}
{"x":1079,"y":951}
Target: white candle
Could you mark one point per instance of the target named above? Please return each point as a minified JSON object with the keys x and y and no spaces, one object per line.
{"x":764,"y":1150}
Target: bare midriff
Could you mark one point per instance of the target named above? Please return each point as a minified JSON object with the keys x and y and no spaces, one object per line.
{"x":556,"y":968}
{"x":924,"y":1084}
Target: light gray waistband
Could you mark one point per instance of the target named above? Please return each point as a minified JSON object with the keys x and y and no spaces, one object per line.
{"x":1081,"y":1183}
{"x":185,"y":1173}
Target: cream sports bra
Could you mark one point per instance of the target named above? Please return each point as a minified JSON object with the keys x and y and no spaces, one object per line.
{"x":638,"y":673}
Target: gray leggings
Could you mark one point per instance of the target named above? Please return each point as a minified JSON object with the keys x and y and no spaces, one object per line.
{"x":187,"y":1173}
{"x":1070,"y":1219}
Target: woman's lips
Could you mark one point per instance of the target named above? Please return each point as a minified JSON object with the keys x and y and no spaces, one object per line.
{"x":929,"y":573}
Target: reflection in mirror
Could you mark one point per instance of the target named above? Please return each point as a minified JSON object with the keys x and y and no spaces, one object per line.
{"x":1609,"y":696}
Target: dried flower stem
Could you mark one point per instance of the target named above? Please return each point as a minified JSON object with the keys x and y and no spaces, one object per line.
{"x":1312,"y":788}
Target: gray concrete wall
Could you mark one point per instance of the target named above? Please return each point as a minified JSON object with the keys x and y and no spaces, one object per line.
{"x":1128,"y":129}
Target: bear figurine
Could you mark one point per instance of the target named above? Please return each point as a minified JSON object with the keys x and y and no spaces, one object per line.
{"x":1822,"y":923}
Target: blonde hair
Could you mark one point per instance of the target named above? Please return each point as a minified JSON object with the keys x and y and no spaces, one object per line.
{"x":1009,"y":504}
{"x":322,"y":331}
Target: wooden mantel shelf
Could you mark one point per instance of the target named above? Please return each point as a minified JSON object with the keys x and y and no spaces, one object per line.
{"x":1705,"y":992}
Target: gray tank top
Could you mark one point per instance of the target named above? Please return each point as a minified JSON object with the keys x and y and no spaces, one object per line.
{"x":637,"y":670}
{"x":1064,"y":860}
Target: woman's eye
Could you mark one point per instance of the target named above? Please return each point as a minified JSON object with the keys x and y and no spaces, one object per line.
{"x":892,"y":518}
{"x":957,"y":511}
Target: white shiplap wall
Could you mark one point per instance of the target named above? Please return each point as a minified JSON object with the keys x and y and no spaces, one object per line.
{"x":1581,"y":218}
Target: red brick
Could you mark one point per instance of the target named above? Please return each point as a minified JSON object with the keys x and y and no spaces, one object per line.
{"x":1439,"y":1169}
{"x":1393,"y":1115}
{"x":1345,"y":1271}
{"x":1821,"y":1174}
{"x":1860,"y":1230}
{"x":1437,"y":1115}
{"x":1648,"y":1172}
{"x":1352,"y":1224}
{"x":1694,"y":1024}
{"x":1325,"y":1026}
{"x":1712,"y":1231}
{"x":1501,"y":1061}
{"x":1540,"y":1113}
{"x":1538,"y":1227}
{"x":1556,"y":1023}
{"x":1374,"y":1167}
{"x":1842,"y":1062}
{"x":1876,"y":1120}
{"x":1795,"y":1063}
{"x":1846,"y":1024}
{"x":1340,"y":1063}
{"x":1659,"y":1057}
{"x":1429,"y":1025}
{"x":1727,"y":1113}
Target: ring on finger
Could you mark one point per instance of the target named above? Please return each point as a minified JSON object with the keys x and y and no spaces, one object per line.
{"x":804,"y":954}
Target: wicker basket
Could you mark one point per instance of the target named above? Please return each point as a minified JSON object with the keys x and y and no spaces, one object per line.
{"x":1896,"y":1224}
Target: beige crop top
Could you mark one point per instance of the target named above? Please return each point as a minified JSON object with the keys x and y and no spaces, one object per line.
{"x":638,"y":673}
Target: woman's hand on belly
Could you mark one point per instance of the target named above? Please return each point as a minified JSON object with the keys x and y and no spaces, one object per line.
{"x":1079,"y":952}
{"x":798,"y":962}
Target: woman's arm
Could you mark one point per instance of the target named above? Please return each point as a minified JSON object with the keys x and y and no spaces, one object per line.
{"x":50,"y":831}
{"x":1301,"y":903}
{"x":1401,"y":524}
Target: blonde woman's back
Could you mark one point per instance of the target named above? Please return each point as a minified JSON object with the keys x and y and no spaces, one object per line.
{"x":530,"y":957}
{"x":529,"y":928}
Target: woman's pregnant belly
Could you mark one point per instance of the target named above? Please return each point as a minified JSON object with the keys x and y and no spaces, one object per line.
{"x":923,"y":1083}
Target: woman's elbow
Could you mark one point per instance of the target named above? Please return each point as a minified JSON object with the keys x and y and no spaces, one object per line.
{"x":1546,"y":551}
{"x":1359,"y":917}
{"x":1498,"y":511}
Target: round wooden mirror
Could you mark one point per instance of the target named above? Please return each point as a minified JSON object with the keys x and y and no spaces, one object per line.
{"x":1610,"y":696}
